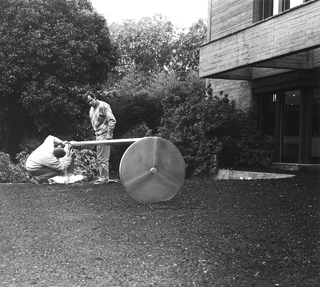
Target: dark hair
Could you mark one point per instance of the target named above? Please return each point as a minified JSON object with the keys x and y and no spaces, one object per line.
{"x":89,"y":93}
{"x":59,"y":152}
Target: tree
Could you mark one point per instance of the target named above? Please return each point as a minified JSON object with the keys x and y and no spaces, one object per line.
{"x":145,"y":44}
{"x":50,"y":51}
{"x":147,"y":48}
{"x":185,"y":55}
{"x":152,"y":44}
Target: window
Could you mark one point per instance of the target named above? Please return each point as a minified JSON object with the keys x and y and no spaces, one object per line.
{"x":267,"y":8}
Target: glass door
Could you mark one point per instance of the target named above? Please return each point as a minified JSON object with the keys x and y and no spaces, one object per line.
{"x":280,"y":123}
{"x":290,"y":126}
{"x":315,"y":155}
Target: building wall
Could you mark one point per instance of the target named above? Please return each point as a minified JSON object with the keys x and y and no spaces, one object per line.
{"x":270,"y":58}
{"x":221,"y":22}
{"x":286,"y":34}
{"x":238,"y":91}
{"x":225,"y":20}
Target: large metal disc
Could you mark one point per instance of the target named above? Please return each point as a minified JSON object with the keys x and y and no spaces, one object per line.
{"x":152,"y":169}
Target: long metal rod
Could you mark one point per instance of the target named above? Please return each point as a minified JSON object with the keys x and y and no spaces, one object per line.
{"x":106,"y":142}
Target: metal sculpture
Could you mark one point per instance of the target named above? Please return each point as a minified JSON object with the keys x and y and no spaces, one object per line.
{"x":152,"y":169}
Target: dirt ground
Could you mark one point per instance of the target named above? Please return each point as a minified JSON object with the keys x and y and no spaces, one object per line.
{"x":213,"y":233}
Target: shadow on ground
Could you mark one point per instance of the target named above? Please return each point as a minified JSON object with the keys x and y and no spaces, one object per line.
{"x":213,"y":233}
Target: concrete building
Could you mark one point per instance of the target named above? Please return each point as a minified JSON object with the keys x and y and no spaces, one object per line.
{"x":267,"y":52}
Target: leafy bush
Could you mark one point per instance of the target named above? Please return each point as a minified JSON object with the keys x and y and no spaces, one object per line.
{"x":85,"y":163}
{"x":132,"y":104}
{"x":21,"y":158}
{"x":184,"y":122}
{"x":30,"y":144}
{"x":210,"y":133}
{"x":137,"y":131}
{"x":241,"y":139}
{"x":9,"y":172}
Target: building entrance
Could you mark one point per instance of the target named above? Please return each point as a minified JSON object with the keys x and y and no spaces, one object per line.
{"x":289,"y":120}
{"x":289,"y":129}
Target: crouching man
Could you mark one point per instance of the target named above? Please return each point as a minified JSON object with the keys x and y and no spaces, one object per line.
{"x":48,"y":160}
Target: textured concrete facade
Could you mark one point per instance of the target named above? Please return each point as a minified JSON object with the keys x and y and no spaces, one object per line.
{"x":256,"y":54}
{"x":240,"y":51}
{"x":287,"y":36}
{"x":227,"y":17}
{"x":238,"y":91}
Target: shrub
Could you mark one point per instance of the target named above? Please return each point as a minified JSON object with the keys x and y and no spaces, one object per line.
{"x":21,"y":158}
{"x":210,"y":133}
{"x":9,"y":172}
{"x":30,"y":144}
{"x":137,"y":131}
{"x":242,"y":141}
{"x":85,"y":163}
{"x":132,"y":103}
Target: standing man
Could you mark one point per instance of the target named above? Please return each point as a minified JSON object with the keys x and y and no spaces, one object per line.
{"x":103,"y":123}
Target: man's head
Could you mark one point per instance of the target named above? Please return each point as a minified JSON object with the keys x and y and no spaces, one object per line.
{"x":91,"y":99}
{"x":59,"y":152}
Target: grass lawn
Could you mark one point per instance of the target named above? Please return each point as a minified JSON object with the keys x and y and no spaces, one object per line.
{"x":213,"y":233}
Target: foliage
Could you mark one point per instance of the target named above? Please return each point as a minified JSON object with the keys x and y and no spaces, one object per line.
{"x":50,"y":51}
{"x":144,"y":44}
{"x":148,"y":48}
{"x":132,"y":104}
{"x":241,"y":139}
{"x":21,"y":158}
{"x":29,"y":144}
{"x":85,"y":163}
{"x":9,"y":172}
{"x":209,"y":133}
{"x":153,"y":43}
{"x":138,"y":131}
{"x":185,"y":53}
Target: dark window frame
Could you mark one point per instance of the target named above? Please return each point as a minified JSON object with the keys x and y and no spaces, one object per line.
{"x":263,"y":9}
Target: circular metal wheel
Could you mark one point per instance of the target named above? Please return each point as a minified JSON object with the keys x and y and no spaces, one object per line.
{"x":152,"y":170}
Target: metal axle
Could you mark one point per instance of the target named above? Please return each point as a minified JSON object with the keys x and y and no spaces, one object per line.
{"x":105,"y":142}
